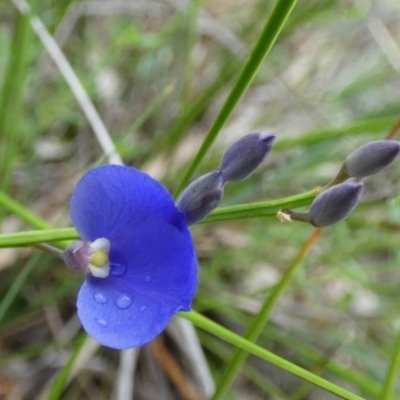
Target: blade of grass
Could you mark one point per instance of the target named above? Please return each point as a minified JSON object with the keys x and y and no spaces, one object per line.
{"x":358,"y":127}
{"x":262,"y":208}
{"x":72,"y":80}
{"x":264,"y":43}
{"x":392,"y":373}
{"x":18,"y":282}
{"x":62,"y":378}
{"x":22,"y":212}
{"x":24,"y":239}
{"x":218,"y":330}
{"x":262,"y":318}
{"x":363,"y":382}
{"x":182,"y":124}
{"x":221,"y":351}
{"x":11,"y":99}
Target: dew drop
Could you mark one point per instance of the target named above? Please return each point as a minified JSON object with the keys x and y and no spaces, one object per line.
{"x":118,"y":269}
{"x":143,"y":308}
{"x":124,"y":301}
{"x":148,"y":278}
{"x":100,"y":298}
{"x":102,"y":322}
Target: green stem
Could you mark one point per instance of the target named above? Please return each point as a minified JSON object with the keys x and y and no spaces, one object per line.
{"x":24,"y":239}
{"x":262,"y":208}
{"x":26,"y":215}
{"x":11,"y":98}
{"x":231,"y":337}
{"x":259,"y":322}
{"x":62,"y":378}
{"x":250,"y":210}
{"x":391,"y":377}
{"x":264,"y":44}
{"x":17,"y":284}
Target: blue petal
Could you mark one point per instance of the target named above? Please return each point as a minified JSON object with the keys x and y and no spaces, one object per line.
{"x":153,"y":263}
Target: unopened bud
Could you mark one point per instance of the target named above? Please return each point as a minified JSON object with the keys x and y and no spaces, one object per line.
{"x":201,"y":197}
{"x":371,"y":158}
{"x":76,"y":256}
{"x":243,"y":157}
{"x":335,"y":204}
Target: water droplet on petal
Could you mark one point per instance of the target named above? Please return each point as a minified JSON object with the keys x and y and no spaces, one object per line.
{"x":148,"y":278}
{"x":124,"y":301}
{"x":118,"y":270}
{"x":143,"y":308}
{"x":100,"y":297}
{"x":102,"y":322}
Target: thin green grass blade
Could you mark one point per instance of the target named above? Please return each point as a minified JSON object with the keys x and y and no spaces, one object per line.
{"x":24,"y":239}
{"x":212,"y":344}
{"x":364,"y":383}
{"x":17,"y":285}
{"x":22,"y":212}
{"x":62,"y":378}
{"x":262,"y":318}
{"x":11,"y":98}
{"x":262,"y":208}
{"x":212,"y":327}
{"x":358,"y":127}
{"x":182,"y":124}
{"x":264,"y":43}
{"x":392,"y":373}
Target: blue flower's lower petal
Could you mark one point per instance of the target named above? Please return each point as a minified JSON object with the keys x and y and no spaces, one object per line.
{"x":153,"y":263}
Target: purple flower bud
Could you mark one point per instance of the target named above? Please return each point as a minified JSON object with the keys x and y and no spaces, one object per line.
{"x":371,"y":158}
{"x":335,"y":204}
{"x":201,"y":197}
{"x":243,"y":157}
{"x":76,"y":256}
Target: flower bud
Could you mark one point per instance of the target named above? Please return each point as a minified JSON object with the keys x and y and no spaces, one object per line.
{"x":243,"y":157}
{"x":335,"y":204}
{"x":371,"y":158}
{"x":201,"y":197}
{"x":76,"y":256}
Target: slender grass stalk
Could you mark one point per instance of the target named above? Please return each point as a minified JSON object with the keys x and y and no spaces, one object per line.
{"x":213,"y":345}
{"x":198,"y":105}
{"x":392,"y":373}
{"x":62,"y":378}
{"x":11,"y":99}
{"x":261,"y":319}
{"x":17,"y":284}
{"x":363,"y":382}
{"x":24,"y":239}
{"x":72,"y":80}
{"x":262,"y":208}
{"x":225,"y":334}
{"x":22,"y":212}
{"x":46,"y":234}
{"x":264,"y":43}
{"x":319,"y":135}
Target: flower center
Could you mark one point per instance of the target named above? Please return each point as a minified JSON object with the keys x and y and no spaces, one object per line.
{"x":99,"y":263}
{"x":89,"y":257}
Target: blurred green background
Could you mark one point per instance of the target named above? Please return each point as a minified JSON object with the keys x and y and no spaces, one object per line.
{"x":158,"y":73}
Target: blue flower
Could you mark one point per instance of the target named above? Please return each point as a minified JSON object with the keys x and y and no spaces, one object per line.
{"x":140,"y":259}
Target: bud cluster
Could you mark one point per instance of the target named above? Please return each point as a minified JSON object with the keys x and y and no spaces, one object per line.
{"x":342,"y":195}
{"x":238,"y":162}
